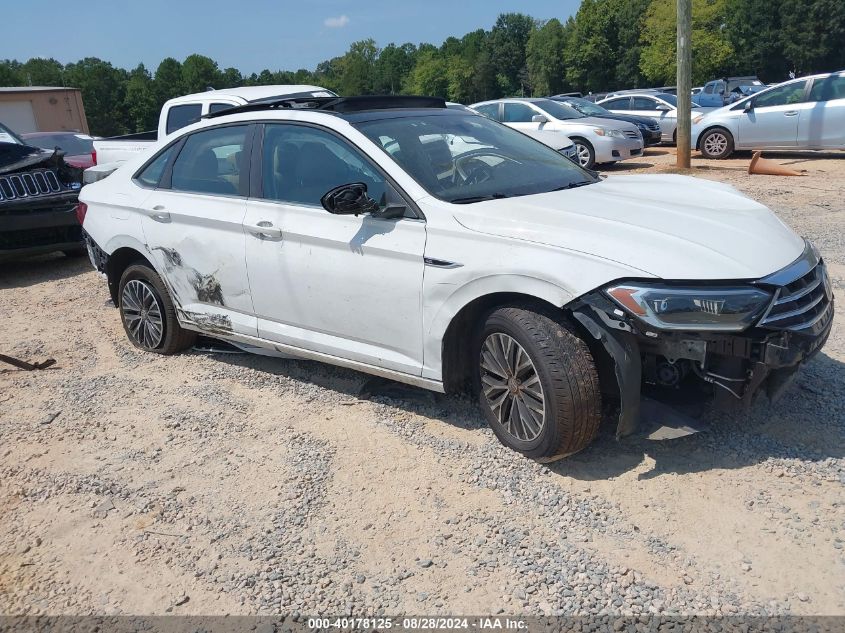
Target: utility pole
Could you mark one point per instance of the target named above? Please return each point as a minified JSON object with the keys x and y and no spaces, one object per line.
{"x":684,"y":81}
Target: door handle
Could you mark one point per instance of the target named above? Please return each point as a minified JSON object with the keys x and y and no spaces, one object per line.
{"x":159,"y":214}
{"x":791,"y":113}
{"x":264,"y":230}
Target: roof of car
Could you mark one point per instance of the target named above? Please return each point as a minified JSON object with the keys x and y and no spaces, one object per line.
{"x":358,"y":108}
{"x":251,"y":93}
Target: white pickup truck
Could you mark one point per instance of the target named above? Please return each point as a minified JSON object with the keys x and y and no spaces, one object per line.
{"x":179,"y":112}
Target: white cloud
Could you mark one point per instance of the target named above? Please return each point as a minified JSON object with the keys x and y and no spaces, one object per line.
{"x":336,"y":23}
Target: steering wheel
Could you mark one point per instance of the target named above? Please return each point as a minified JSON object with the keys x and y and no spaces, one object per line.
{"x":474,"y":172}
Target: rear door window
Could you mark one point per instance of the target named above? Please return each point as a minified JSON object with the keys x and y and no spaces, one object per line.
{"x":151,"y":174}
{"x":180,"y":116}
{"x":490,"y":110}
{"x":212,"y":162}
{"x":218,"y":107}
{"x":782,"y":95}
{"x":828,"y":88}
{"x":644,"y":103}
{"x":617,"y":104}
{"x":518,"y":113}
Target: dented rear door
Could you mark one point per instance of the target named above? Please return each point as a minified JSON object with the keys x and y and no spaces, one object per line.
{"x":193,"y":225}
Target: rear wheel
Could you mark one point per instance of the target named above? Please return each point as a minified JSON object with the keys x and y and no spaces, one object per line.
{"x":537,"y":383}
{"x":584,"y":153}
{"x":148,"y":313}
{"x":716,"y":143}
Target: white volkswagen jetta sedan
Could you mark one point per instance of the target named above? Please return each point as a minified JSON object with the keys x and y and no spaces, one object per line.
{"x":343,"y":230}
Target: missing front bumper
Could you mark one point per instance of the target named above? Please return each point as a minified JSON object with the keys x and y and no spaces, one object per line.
{"x":733,"y":369}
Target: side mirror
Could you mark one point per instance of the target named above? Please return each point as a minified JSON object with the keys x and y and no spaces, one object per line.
{"x":749,"y":106}
{"x":539,"y":118}
{"x":350,"y":199}
{"x":662,"y":107}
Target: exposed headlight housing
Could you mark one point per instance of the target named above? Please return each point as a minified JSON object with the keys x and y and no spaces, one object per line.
{"x":606,"y":131}
{"x":727,"y":308}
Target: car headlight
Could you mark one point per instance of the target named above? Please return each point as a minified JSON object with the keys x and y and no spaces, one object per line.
{"x":606,"y":131}
{"x":731,"y":308}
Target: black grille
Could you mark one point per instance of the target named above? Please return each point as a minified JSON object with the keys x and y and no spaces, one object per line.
{"x":29,"y":185}
{"x":803,"y":303}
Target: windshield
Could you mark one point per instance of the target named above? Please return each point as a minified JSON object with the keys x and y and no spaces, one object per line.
{"x":7,"y":136}
{"x":558,"y":110}
{"x":587,"y":108}
{"x":468,"y":158}
{"x":70,"y":144}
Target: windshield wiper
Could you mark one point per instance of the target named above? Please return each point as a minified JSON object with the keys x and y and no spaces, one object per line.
{"x":573,"y":185}
{"x":471,"y":199}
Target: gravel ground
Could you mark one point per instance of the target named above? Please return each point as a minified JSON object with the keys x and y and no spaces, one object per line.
{"x":212,"y":483}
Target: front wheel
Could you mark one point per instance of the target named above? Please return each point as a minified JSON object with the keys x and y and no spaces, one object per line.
{"x":716,"y":143}
{"x":537,"y":383}
{"x":148,"y":313}
{"x":585,"y":153}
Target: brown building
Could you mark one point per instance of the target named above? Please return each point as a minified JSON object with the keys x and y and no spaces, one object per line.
{"x":42,"y":109}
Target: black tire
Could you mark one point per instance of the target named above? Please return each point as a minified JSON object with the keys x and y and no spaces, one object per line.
{"x":584,"y":152}
{"x":716,"y":143}
{"x":173,"y":338}
{"x":567,"y":374}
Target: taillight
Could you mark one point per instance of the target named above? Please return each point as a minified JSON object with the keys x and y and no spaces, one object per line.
{"x":94,"y":156}
{"x":81,"y":210}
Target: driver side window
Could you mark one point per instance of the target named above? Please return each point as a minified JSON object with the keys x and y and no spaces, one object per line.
{"x":518,"y":113}
{"x":782,"y":95}
{"x":301,"y":164}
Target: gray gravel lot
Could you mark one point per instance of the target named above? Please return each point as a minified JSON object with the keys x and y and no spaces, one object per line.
{"x":226,"y":483}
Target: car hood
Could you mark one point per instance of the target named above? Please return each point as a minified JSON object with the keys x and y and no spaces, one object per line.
{"x":673,"y":227}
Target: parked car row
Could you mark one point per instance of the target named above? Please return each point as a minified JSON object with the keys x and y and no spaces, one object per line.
{"x":597,"y":140}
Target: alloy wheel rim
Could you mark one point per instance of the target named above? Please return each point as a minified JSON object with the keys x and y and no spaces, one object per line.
{"x":511,"y":385}
{"x":142,"y":314}
{"x":716,"y":144}
{"x":583,"y":155}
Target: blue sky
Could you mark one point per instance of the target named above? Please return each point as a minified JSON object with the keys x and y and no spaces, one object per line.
{"x":248,"y":34}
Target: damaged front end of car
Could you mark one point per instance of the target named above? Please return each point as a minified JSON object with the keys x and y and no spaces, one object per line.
{"x":679,"y":342}
{"x":38,"y":198}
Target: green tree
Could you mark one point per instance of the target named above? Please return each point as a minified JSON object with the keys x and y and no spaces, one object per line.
{"x":167,"y":81}
{"x":428,"y":76}
{"x":10,"y":73}
{"x":393,"y":65}
{"x":142,"y":107}
{"x":545,"y":58}
{"x":711,"y":49}
{"x":103,"y":90}
{"x":40,"y":71}
{"x":813,"y":34}
{"x":357,"y":68}
{"x":200,"y":73}
{"x":590,"y":47}
{"x":507,"y":45}
{"x":231,"y":78}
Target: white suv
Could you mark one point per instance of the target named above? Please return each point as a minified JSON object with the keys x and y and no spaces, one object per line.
{"x":439,"y":248}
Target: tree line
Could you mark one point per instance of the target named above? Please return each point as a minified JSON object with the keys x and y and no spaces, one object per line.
{"x":606,"y":45}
